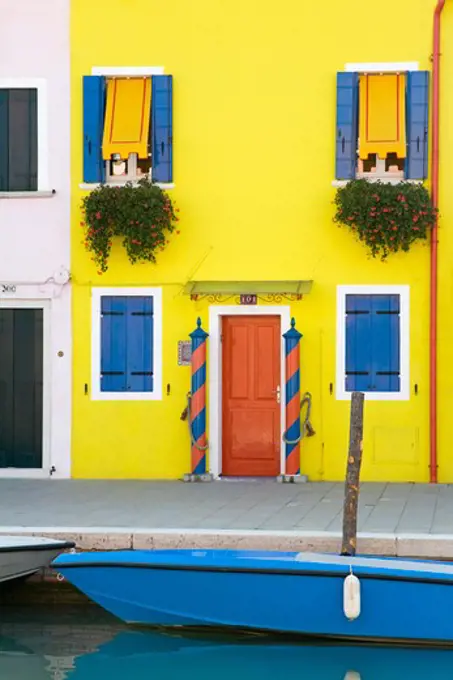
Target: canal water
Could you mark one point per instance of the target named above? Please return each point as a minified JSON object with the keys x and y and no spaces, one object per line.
{"x":84,"y":643}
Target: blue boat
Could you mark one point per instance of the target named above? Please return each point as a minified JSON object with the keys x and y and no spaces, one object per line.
{"x":393,"y":600}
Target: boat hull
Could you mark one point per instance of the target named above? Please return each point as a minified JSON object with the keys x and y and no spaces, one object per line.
{"x":22,"y":556}
{"x":306,"y":600}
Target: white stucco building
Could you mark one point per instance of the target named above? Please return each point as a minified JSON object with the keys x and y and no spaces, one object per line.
{"x":35,"y":289}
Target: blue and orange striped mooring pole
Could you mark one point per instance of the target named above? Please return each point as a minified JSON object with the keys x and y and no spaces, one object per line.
{"x":292,"y":434}
{"x":198,"y":401}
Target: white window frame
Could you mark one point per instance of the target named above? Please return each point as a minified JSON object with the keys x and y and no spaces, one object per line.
{"x":380,"y":67}
{"x":126,"y":72}
{"x":96,"y":393}
{"x":404,"y":293}
{"x":39,"y":84}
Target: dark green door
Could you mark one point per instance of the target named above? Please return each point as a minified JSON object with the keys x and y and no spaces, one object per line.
{"x":21,"y":388}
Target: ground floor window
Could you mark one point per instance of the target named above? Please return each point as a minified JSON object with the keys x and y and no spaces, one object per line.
{"x":126,"y":343}
{"x":373,"y":341}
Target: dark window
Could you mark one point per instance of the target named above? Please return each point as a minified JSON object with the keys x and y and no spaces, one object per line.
{"x":18,"y":140}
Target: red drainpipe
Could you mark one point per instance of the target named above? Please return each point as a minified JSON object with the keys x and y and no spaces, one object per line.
{"x":433,"y":273}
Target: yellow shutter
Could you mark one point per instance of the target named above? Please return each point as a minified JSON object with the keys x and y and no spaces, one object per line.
{"x":382,"y":115}
{"x":126,"y":126}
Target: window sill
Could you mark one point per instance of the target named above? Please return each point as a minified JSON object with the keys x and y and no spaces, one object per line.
{"x":28,"y":194}
{"x":126,"y":396}
{"x":89,"y":187}
{"x":384,"y":180}
{"x":403,"y":395}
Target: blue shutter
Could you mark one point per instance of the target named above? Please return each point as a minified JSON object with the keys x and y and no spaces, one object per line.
{"x":385,"y":341}
{"x":358,"y":347}
{"x":162,"y":128}
{"x":93,"y":127}
{"x":347,"y":125}
{"x":140,"y":344}
{"x":373,"y":343}
{"x":417,"y":98}
{"x":113,"y":343}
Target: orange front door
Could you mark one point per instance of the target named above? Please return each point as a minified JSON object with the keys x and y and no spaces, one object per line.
{"x":251,"y":396}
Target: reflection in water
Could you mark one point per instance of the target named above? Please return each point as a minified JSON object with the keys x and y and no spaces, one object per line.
{"x":62,"y":644}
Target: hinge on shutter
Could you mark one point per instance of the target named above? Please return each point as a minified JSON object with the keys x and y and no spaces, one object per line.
{"x":382,"y":312}
{"x":221,"y":337}
{"x":357,"y":312}
{"x":142,"y":314}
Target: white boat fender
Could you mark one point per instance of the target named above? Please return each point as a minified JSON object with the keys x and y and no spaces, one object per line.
{"x":351,"y":597}
{"x":352,"y":675}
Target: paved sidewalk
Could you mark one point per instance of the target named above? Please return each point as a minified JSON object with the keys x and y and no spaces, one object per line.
{"x":400,"y":519}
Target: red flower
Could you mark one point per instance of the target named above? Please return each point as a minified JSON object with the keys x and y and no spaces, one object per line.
{"x":98,"y":215}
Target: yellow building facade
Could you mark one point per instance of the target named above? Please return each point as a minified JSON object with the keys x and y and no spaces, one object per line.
{"x":254,"y":109}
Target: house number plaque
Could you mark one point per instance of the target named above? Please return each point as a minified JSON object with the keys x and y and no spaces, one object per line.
{"x":248,"y":299}
{"x":184,"y":352}
{"x":8,"y":288}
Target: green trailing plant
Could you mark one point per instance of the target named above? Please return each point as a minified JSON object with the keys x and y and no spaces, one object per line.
{"x":386,"y":217}
{"x":141,"y":215}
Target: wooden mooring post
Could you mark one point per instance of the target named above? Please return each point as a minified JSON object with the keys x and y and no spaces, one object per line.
{"x":351,"y":495}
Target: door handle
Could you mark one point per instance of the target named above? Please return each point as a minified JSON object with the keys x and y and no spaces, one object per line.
{"x":277,"y":393}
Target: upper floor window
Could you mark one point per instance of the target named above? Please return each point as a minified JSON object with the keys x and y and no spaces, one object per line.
{"x":18,"y":139}
{"x":128,"y":128}
{"x":382,"y":125}
{"x":373,"y":341}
